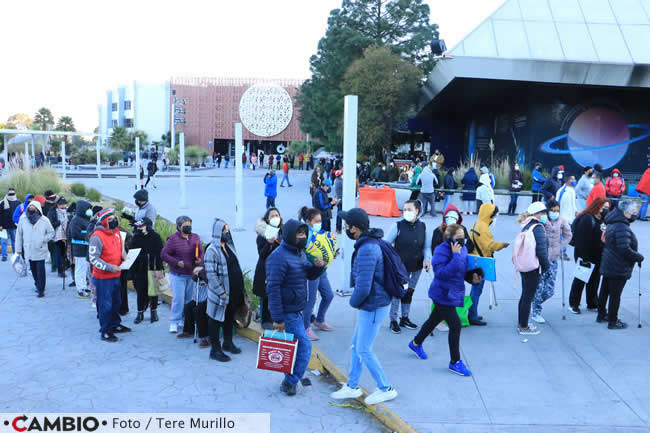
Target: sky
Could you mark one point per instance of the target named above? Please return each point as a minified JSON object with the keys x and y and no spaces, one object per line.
{"x":65,"y":54}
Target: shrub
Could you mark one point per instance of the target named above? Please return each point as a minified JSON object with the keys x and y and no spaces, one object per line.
{"x":172,"y":157}
{"x":93,"y":195}
{"x":78,"y":189}
{"x":164,"y":228}
{"x":115,"y":157}
{"x":32,"y":181}
{"x":248,"y":285}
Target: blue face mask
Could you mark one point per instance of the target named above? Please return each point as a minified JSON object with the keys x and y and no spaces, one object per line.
{"x":573,"y":183}
{"x":554,"y":215}
{"x":615,"y":175}
{"x":543,"y":219}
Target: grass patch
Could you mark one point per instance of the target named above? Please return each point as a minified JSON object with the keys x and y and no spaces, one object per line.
{"x":93,"y":195}
{"x":78,"y":189}
{"x":32,"y":181}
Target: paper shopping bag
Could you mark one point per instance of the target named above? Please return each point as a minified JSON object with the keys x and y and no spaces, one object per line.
{"x":276,"y":355}
{"x":583,"y":271}
{"x":158,"y":284}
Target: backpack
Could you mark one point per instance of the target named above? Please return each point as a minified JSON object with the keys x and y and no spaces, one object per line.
{"x":395,"y":275}
{"x":524,"y":256}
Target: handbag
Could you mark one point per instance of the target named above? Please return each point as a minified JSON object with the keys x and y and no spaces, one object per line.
{"x":274,"y":354}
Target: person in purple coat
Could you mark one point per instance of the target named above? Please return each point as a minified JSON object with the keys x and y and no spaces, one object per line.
{"x":447,"y":292}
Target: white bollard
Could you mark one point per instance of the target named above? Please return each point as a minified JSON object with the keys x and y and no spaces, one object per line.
{"x":63,"y":157}
{"x":137,"y":163}
{"x":349,"y":178}
{"x":239,"y":177}
{"x":181,"y":160}
{"x":99,"y":157}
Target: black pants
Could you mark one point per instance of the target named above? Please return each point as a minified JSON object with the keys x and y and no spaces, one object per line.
{"x":199,"y":317}
{"x":592,"y":289}
{"x":529,"y":284}
{"x":339,"y":220}
{"x":448,"y":314}
{"x":38,"y":272}
{"x":144,"y":300}
{"x":266,"y":313}
{"x":612,"y":288}
{"x":327,"y":224}
{"x":414,"y":195}
{"x":537,"y":196}
{"x":124,"y":305}
{"x":479,"y":203}
{"x":61,"y":260}
{"x":215,"y":326}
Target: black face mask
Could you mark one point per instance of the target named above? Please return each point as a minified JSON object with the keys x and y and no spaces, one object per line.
{"x":140,"y":203}
{"x":461,"y":242}
{"x":31,"y":211}
{"x":301,"y":243}
{"x":186,"y":230}
{"x":226,"y":237}
{"x":112,"y":224}
{"x":604,"y":212}
{"x":350,"y":234}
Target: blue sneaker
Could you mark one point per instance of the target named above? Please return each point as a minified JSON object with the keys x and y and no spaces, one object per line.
{"x":419,"y":350}
{"x":459,"y":368}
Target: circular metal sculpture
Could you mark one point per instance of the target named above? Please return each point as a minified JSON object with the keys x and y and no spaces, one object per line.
{"x":265,"y":109}
{"x":280,"y":149}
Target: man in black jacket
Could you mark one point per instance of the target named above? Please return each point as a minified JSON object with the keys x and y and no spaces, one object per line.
{"x":553,"y":183}
{"x":619,"y":257}
{"x":78,"y":240}
{"x":7,"y":208}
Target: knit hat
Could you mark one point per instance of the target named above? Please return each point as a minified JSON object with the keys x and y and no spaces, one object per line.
{"x":96,"y":209}
{"x":40,"y":199}
{"x":141,"y":195}
{"x":327,"y":182}
{"x":103,"y":215}
{"x":356,"y":217}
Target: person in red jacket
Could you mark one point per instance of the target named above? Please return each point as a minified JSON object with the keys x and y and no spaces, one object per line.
{"x":598,"y":190}
{"x":301,"y":161}
{"x":643,"y":188}
{"x":270,"y":161}
{"x":615,"y":186}
{"x":106,"y":253}
{"x":285,"y":170}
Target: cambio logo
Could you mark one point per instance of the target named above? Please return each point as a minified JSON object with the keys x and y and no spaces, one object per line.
{"x":62,"y":423}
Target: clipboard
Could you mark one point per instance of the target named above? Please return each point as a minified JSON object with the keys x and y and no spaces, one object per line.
{"x":487,"y":264}
{"x":130,"y":259}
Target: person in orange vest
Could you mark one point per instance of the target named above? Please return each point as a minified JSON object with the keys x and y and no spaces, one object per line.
{"x":643,"y":188}
{"x":285,"y":170}
{"x":598,"y":190}
{"x":615,"y":186}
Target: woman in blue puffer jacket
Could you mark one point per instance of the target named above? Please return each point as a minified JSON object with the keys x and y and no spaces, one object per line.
{"x":447,"y":292}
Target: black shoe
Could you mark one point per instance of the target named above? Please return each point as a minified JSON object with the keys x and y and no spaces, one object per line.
{"x":230,"y":347}
{"x":480,"y":317}
{"x":73,"y":284}
{"x":477,"y":322}
{"x":288,"y":389}
{"x":617,"y":325}
{"x":219,"y":356}
{"x":592,"y":309}
{"x":154,"y":316}
{"x":305,"y":381}
{"x":108,"y":336}
{"x":40,"y":294}
{"x":119,"y":329}
{"x":124,"y":313}
{"x":405,"y":322}
{"x":575,"y":310}
{"x":139,"y":318}
{"x":602,"y":318}
{"x":394,"y":327}
{"x":4,"y":259}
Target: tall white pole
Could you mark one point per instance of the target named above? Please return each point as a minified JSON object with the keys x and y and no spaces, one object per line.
{"x":171,"y":123}
{"x":99,"y":157}
{"x":137,"y":162}
{"x":44,"y":137}
{"x":6,"y":151}
{"x":63,"y":157}
{"x":181,"y":160}
{"x":349,"y":177}
{"x":239,"y":177}
{"x":33,"y":150}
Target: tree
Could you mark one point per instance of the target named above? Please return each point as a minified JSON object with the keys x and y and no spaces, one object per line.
{"x":43,"y":119}
{"x":402,"y":25}
{"x":388,"y":87}
{"x":19,"y":121}
{"x":120,"y":139}
{"x":65,"y":124}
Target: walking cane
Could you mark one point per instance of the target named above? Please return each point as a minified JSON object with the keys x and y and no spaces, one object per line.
{"x":639,"y":295}
{"x":493,"y":294}
{"x":195,"y":310}
{"x":563,"y":304}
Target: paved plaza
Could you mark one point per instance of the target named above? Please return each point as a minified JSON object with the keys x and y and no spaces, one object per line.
{"x":576,"y":376}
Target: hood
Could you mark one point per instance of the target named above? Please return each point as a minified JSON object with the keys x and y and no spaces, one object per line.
{"x":27,"y":197}
{"x":484,"y":170}
{"x":372,"y":233}
{"x":617,"y":171}
{"x":289,"y":230}
{"x":485,"y":213}
{"x":40,"y":199}
{"x":485,"y":180}
{"x":555,"y":171}
{"x":527,"y":221}
{"x":82,"y":207}
{"x":616,"y":216}
{"x":260,"y":227}
{"x":471,"y":171}
{"x":217,"y":229}
{"x":37,"y":205}
{"x":449,"y":208}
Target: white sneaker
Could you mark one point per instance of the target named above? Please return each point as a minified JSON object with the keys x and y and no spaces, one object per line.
{"x":380,"y":396}
{"x":538,"y":318}
{"x":173,"y":328}
{"x":442,"y":326}
{"x":346,"y":392}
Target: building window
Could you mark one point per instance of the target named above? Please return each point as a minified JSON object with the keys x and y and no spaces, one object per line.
{"x":114,"y":123}
{"x":128,"y":123}
{"x":127,"y":105}
{"x":114,"y":106}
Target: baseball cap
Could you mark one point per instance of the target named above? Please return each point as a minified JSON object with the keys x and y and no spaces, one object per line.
{"x":356,"y":217}
{"x":536,"y":207}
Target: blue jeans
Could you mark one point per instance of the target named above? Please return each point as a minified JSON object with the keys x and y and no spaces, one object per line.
{"x":475,"y":294}
{"x":270,"y":202}
{"x":365,"y":333}
{"x":285,"y":176}
{"x":108,"y":303}
{"x":642,"y":212}
{"x":513,"y":203}
{"x":293,"y":323}
{"x":322,"y":285}
{"x":182,"y":294}
{"x":226,"y":166}
{"x":428,"y":198}
{"x":11,"y":235}
{"x":448,"y":197}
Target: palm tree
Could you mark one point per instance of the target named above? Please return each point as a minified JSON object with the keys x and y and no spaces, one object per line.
{"x":65,"y":123}
{"x":43,"y":119}
{"x":120,"y":139}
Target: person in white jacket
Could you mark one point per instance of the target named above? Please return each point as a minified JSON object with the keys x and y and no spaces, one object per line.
{"x":566,"y":196}
{"x":484,"y":193}
{"x":32,"y":235}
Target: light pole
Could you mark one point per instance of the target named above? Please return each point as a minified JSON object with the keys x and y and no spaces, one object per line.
{"x":137,"y":162}
{"x":181,"y":158}
{"x":239,"y":177}
{"x":172,"y":112}
{"x":349,"y":178}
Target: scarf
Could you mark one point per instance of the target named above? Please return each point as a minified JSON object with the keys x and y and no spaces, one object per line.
{"x":7,"y":199}
{"x":33,"y":217}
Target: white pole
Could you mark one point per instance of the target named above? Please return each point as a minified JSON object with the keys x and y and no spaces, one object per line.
{"x":181,"y":160}
{"x":349,"y":177}
{"x":173,"y":108}
{"x":239,"y":177}
{"x":137,"y":162}
{"x":33,"y":150}
{"x":99,"y":157}
{"x":63,"y":158}
{"x":44,"y":137}
{"x":6,"y":166}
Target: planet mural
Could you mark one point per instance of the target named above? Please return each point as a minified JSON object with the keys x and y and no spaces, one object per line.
{"x":597,"y":135}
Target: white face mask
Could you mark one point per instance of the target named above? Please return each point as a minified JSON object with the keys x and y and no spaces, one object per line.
{"x":409,"y":216}
{"x":451,"y":220}
{"x":275,"y":221}
{"x":317,"y":227}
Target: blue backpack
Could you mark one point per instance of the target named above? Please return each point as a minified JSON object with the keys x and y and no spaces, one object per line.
{"x":395,"y":275}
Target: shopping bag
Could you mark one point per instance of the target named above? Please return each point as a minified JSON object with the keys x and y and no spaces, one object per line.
{"x":18,"y":265}
{"x":276,"y":355}
{"x":485,"y":263}
{"x":158,"y":284}
{"x":583,"y":271}
{"x":461,"y":311}
{"x":285,"y":336}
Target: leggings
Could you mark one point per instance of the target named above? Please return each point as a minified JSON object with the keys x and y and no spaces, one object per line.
{"x":450,"y":315}
{"x":529,"y":284}
{"x":214,"y":326}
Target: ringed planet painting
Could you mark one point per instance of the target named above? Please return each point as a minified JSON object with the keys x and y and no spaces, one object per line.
{"x":597,"y":135}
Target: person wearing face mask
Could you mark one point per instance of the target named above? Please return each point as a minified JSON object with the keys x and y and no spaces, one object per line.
{"x":583,"y":189}
{"x":287,"y":272}
{"x":615,"y":186}
{"x":415,"y":187}
{"x":78,"y":229}
{"x":484,"y":193}
{"x":534,"y":219}
{"x":183,"y":253}
{"x":484,"y":246}
{"x":338,"y":194}
{"x":450,"y":183}
{"x":58,"y":217}
{"x":643,"y":188}
{"x":148,"y":261}
{"x":437,"y":159}
{"x":225,"y":290}
{"x":598,"y":189}
{"x":587,"y":231}
{"x":470,"y":183}
{"x":566,"y":197}
{"x":145,"y":208}
{"x":324,"y":203}
{"x":269,"y":233}
{"x":553,"y":183}
{"x":558,"y":236}
{"x":516,"y":184}
{"x":270,"y":188}
{"x":538,"y":182}
{"x":412,"y":241}
{"x":7,"y":208}
{"x":427,"y":182}
{"x":447,"y":292}
{"x":450,"y":216}
{"x":22,"y":208}
{"x":32,"y":235}
{"x":620,"y":254}
{"x":317,"y":178}
{"x":106,"y":253}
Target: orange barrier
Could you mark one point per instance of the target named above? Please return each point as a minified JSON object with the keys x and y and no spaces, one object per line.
{"x":379,"y":201}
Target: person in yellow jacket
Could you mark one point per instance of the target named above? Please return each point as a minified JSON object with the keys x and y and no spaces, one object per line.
{"x":484,"y":246}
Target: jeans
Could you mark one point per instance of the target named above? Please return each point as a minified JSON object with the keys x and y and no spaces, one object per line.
{"x":614,"y":202}
{"x":428,"y":198}
{"x":11,"y":235}
{"x":322,"y":285}
{"x":413,"y":278}
{"x":81,"y":273}
{"x":512,"y":207}
{"x":475,"y":294}
{"x":448,"y":197}
{"x":285,"y":177}
{"x":546,"y":288}
{"x":339,"y":220}
{"x":294,"y":323}
{"x":108,"y":303}
{"x":38,"y":272}
{"x":226,"y":166}
{"x":182,"y":294}
{"x":449,"y":315}
{"x":529,"y":284}
{"x":642,"y":211}
{"x":612,"y":288}
{"x":270,"y":202}
{"x":300,"y":165}
{"x":365,"y":333}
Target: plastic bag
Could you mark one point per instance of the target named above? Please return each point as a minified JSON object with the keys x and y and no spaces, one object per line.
{"x":18,"y":265}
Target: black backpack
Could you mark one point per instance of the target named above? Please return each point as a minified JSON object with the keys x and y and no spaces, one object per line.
{"x":395,"y":275}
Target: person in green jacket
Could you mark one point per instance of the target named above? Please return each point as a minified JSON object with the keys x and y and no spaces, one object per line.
{"x":415,"y":188}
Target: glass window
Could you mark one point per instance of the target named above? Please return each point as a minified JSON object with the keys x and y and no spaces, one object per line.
{"x":609,"y":43}
{"x":114,"y":123}
{"x":128,"y":123}
{"x":127,"y":105}
{"x":576,"y":42}
{"x":511,"y":39}
{"x":114,"y":106}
